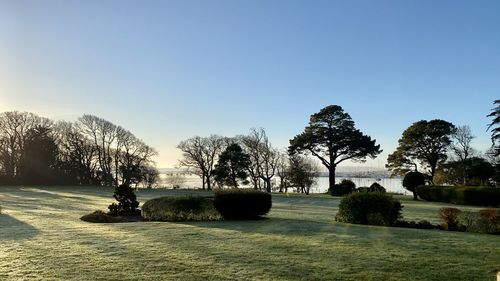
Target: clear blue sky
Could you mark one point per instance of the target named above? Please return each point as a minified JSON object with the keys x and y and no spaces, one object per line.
{"x":169,"y":70}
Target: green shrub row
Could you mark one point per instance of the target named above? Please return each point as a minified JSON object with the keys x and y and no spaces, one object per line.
{"x":463,"y":195}
{"x":242,"y":203}
{"x":180,"y":208}
{"x":374,"y":208}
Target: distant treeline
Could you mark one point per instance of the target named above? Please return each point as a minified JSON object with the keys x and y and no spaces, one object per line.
{"x":90,"y":151}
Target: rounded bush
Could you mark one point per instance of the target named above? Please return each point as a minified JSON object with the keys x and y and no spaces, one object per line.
{"x":180,"y":208}
{"x":412,"y":180}
{"x":376,"y":187}
{"x":242,"y":203}
{"x":343,"y":188}
{"x":373,"y":208}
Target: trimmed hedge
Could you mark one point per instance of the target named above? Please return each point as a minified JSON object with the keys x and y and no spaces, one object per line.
{"x":373,"y":208}
{"x":242,"y":203}
{"x":180,"y":208}
{"x":462,"y":195}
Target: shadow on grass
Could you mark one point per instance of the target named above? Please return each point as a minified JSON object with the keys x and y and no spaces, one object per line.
{"x":12,"y":229}
{"x":280,"y":226}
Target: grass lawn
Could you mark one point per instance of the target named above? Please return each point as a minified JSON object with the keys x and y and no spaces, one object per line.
{"x":42,"y":238}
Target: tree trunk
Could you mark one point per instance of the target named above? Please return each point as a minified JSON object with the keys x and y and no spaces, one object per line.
{"x":415,"y":195}
{"x":268,"y":184}
{"x":209,"y":183}
{"x":203,"y":177}
{"x":331,"y":177}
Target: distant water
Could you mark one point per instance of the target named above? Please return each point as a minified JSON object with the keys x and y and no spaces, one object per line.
{"x":390,"y":184}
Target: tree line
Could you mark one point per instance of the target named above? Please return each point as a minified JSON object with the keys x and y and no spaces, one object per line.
{"x":89,"y":151}
{"x":94,"y":151}
{"x":245,"y":160}
{"x":437,"y":148}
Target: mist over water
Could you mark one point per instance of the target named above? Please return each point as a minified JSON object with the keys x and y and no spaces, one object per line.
{"x":321,"y":186}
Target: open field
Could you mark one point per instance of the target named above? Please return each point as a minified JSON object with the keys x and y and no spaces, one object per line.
{"x":42,"y":238}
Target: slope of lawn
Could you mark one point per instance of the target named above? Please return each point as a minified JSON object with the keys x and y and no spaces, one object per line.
{"x":42,"y":238}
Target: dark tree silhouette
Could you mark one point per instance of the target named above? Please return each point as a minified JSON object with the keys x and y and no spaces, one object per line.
{"x":494,"y":126}
{"x":332,"y":138}
{"x":232,"y":166}
{"x":424,"y":143}
{"x":127,"y":202}
{"x":14,"y":127}
{"x":39,"y":160}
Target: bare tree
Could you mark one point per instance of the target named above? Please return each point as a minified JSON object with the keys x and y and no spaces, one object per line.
{"x":200,"y":155}
{"x":282,"y":171}
{"x":263,"y":156}
{"x":103,"y":134}
{"x":77,"y":153}
{"x":461,"y":147}
{"x":120,"y":155}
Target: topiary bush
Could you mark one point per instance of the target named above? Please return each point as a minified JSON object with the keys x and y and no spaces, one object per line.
{"x":242,"y":203}
{"x":369,"y":208}
{"x":463,"y":195}
{"x":180,"y":208}
{"x":343,"y":188}
{"x":100,"y":217}
{"x":127,"y":202}
{"x":412,"y":180}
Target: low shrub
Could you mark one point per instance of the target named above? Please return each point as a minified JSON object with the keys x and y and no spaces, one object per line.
{"x":463,"y":195}
{"x":363,"y":189}
{"x":375,"y":187}
{"x":469,"y":220}
{"x":343,"y":188}
{"x":449,"y":216}
{"x":100,"y":217}
{"x":491,"y":218}
{"x":369,"y":208}
{"x":242,"y":203}
{"x":180,"y":208}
